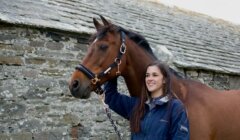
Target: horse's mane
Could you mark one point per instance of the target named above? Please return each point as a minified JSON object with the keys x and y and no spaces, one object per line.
{"x":135,"y":37}
{"x":139,"y":40}
{"x":142,"y":42}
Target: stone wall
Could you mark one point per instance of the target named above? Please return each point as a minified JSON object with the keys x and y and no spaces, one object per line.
{"x":216,"y":80}
{"x":35,"y":103}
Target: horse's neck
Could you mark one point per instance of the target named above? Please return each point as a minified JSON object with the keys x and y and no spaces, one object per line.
{"x":180,"y":88}
{"x":137,"y":60}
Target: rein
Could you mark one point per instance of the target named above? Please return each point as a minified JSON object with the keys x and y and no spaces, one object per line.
{"x":96,"y":78}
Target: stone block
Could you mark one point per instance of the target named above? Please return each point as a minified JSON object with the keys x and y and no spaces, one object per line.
{"x":54,"y":45}
{"x":205,"y":76}
{"x":30,"y":124}
{"x":22,"y":136}
{"x":30,"y":73}
{"x":52,"y":62}
{"x":69,"y":63}
{"x":80,"y":47}
{"x":37,"y":44}
{"x":11,"y":60}
{"x":13,"y":109}
{"x":36,"y":61}
{"x":17,"y":136}
{"x":16,"y":48}
{"x":7,"y":37}
{"x":52,"y":72}
{"x":51,"y":135}
{"x":112,"y":136}
{"x":4,"y":137}
{"x":70,"y":119}
{"x":42,"y":109}
{"x":35,"y":93}
{"x":234,"y":82}
{"x":54,"y":54}
{"x":192,"y":73}
{"x":219,"y":81}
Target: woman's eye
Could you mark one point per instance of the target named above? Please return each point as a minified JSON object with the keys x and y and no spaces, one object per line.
{"x":103,"y":47}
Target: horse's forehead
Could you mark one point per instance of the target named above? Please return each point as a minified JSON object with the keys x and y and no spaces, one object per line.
{"x":109,"y":37}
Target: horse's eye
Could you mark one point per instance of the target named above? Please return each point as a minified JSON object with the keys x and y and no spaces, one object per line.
{"x":103,"y":47}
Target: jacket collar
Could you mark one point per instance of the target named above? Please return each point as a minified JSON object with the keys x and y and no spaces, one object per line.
{"x":158,"y":101}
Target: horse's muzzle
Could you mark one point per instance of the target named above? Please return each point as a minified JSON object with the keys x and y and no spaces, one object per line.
{"x":78,"y":90}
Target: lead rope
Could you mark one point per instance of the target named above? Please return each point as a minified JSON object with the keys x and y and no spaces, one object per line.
{"x":108,"y":113}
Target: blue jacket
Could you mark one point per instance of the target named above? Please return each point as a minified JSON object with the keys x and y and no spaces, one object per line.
{"x":167,"y":120}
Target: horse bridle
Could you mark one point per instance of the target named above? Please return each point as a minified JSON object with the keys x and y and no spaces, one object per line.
{"x":96,"y":78}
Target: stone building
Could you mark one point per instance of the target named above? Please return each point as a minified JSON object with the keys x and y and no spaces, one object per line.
{"x":41,"y":41}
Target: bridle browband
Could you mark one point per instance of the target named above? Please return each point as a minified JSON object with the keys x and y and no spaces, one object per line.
{"x":96,"y":78}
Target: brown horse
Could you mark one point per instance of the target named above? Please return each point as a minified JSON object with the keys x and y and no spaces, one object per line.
{"x":213,"y":114}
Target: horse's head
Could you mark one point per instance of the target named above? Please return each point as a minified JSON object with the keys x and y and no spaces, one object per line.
{"x":105,"y":59}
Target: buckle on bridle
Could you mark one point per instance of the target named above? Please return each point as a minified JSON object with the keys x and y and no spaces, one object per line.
{"x":99,"y":91}
{"x":95,"y":80}
{"x":118,"y":62}
{"x":123,"y":48}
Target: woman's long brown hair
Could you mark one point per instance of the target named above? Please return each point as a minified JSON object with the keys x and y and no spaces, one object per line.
{"x":139,"y":109}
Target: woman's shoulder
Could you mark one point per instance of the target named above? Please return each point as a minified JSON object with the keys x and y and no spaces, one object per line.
{"x":176,"y":101}
{"x":177,"y":104}
{"x":177,"y":109}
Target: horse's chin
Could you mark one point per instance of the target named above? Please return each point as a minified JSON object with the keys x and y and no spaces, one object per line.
{"x":82,"y":94}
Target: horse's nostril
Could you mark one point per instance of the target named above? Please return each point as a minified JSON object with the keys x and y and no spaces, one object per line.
{"x":75,"y":84}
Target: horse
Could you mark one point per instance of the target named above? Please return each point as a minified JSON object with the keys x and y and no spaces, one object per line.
{"x":114,"y":51}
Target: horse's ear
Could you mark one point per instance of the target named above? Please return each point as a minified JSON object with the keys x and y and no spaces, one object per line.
{"x":105,"y":22}
{"x":97,"y":24}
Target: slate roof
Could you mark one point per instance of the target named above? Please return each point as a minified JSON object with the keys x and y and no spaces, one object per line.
{"x":196,"y":41}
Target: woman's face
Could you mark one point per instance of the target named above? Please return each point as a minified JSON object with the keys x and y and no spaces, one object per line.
{"x":154,"y":81}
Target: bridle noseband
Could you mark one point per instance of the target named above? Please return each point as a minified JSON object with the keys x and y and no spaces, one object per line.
{"x":96,"y":78}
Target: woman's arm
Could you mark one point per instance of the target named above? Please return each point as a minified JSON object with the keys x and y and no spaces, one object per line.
{"x":179,"y":122}
{"x":121,"y":104}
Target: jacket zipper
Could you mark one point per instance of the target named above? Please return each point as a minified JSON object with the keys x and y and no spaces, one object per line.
{"x":147,"y":123}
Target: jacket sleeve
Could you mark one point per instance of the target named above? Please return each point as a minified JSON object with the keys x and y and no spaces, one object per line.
{"x":179,"y":122}
{"x":120,"y":103}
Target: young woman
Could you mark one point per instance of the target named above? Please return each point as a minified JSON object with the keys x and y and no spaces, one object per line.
{"x":157,"y":114}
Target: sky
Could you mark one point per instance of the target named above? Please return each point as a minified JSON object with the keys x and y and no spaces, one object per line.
{"x":228,"y":10}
